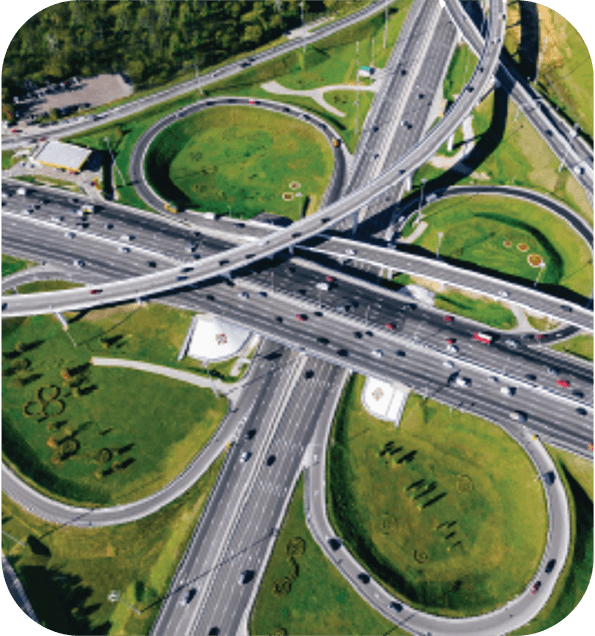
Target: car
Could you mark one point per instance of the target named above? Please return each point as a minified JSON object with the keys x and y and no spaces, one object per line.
{"x":526,"y":336}
{"x":452,"y":348}
{"x":78,"y":263}
{"x":57,"y":219}
{"x":250,"y":434}
{"x":179,"y":278}
{"x":342,"y":307}
{"x":409,"y":306}
{"x":351,"y":252}
{"x":448,"y":318}
{"x":108,"y":226}
{"x":507,"y":390}
{"x":531,"y":376}
{"x":492,"y":378}
{"x":296,"y":235}
{"x":151,"y":264}
{"x":449,"y":340}
{"x":369,"y":334}
{"x":95,"y":291}
{"x":343,"y":353}
{"x":358,"y":334}
{"x":539,"y":336}
{"x":463,"y":382}
{"x":246,"y":576}
{"x":552,"y":371}
{"x":251,"y":101}
{"x":243,"y":295}
{"x":309,"y":374}
{"x":329,"y":279}
{"x":239,"y":225}
{"x":566,"y":308}
{"x":504,"y":293}
{"x":126,"y":237}
{"x":322,"y":286}
{"x":578,"y":394}
{"x":399,"y":353}
{"x":363,"y":577}
{"x":549,"y":477}
{"x":263,"y":294}
{"x":28,"y":210}
{"x":550,"y":566}
{"x":322,"y":340}
{"x":335,"y":544}
{"x":210,"y":297}
{"x":245,"y":456}
{"x":510,"y":343}
{"x":389,"y":325}
{"x":279,"y":319}
{"x":271,"y":460}
{"x":223,"y":262}
{"x":301,"y":317}
{"x":449,"y":364}
{"x":377,"y":353}
{"x":396,"y":606}
{"x":563,"y":383}
{"x":69,"y":235}
{"x":535,"y":587}
{"x":214,"y":631}
{"x":124,"y":249}
{"x":518,"y":416}
{"x":190,"y":594}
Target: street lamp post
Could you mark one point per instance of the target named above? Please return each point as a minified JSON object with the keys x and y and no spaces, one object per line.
{"x":440,"y":235}
{"x":115,"y":596}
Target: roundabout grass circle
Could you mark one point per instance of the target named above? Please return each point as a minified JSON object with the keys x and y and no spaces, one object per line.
{"x":241,"y":158}
{"x":469,"y":519}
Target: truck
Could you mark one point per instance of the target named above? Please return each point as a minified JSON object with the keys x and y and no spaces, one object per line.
{"x":88,"y":208}
{"x":336,"y":142}
{"x":482,"y":337}
{"x":171,"y":208}
{"x":22,"y":191}
{"x":323,"y":286}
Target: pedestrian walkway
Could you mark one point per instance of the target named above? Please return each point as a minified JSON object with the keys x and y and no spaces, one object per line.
{"x":317,"y":94}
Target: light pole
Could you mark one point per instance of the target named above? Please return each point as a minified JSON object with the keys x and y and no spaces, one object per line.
{"x":541,"y":268}
{"x":356,"y":86}
{"x":440,"y":235}
{"x":115,"y":596}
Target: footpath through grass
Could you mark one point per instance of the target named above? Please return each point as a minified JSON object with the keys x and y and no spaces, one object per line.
{"x":577,"y":475}
{"x":509,"y":236}
{"x":580,"y":346}
{"x":96,"y":435}
{"x":245,"y":159}
{"x":12,"y":265}
{"x":68,"y":572}
{"x":445,"y":509}
{"x":319,"y":600}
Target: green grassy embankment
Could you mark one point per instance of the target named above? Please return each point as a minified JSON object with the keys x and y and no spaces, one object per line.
{"x":580,"y":346}
{"x":11,"y":265}
{"x":445,"y":509}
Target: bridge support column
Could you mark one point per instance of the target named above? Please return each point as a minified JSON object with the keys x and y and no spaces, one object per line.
{"x":354,"y":222}
{"x":291,"y":249}
{"x":450,"y":142}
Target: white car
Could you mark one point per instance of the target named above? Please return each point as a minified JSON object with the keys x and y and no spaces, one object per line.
{"x":243,"y":295}
{"x":245,"y":456}
{"x":517,"y":416}
{"x":351,"y":252}
{"x":507,"y":390}
{"x":449,"y":364}
{"x":492,"y":378}
{"x":504,"y":293}
{"x":78,"y":263}
{"x":322,"y":286}
{"x":463,"y":382}
{"x":377,"y":353}
{"x":124,"y":249}
{"x":70,"y":235}
{"x":451,"y":348}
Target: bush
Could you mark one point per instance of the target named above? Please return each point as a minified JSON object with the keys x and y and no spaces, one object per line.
{"x":281,"y":587}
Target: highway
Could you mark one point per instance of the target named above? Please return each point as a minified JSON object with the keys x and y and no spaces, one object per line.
{"x":306,"y":228}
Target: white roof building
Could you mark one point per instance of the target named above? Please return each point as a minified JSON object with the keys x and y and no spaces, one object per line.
{"x":215,"y":339}
{"x":57,"y":154}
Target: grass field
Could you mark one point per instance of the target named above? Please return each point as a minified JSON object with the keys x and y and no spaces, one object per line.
{"x":459,"y":72}
{"x":580,"y":346}
{"x":566,"y":72}
{"x":57,"y":183}
{"x":9,"y":158}
{"x":542,"y":323}
{"x":11,"y":265}
{"x":577,"y":475}
{"x":445,"y":509}
{"x":481,"y":309}
{"x":91,"y":436}
{"x":489,"y":232}
{"x":68,"y":572}
{"x":509,"y":151}
{"x":320,"y":600}
{"x":46,"y":286}
{"x":241,"y":157}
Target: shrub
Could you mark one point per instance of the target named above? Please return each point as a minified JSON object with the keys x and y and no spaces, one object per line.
{"x":281,"y":587}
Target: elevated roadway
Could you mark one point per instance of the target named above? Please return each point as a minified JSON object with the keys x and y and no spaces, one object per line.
{"x":306,"y":228}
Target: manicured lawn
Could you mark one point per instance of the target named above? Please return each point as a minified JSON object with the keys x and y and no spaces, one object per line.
{"x":580,"y":346}
{"x":543,"y":323}
{"x":68,"y":572}
{"x":11,"y":265}
{"x":577,"y":475}
{"x":500,"y":234}
{"x":241,"y":157}
{"x":445,"y":509}
{"x":459,"y":72}
{"x":320,"y":600}
{"x":58,"y":183}
{"x":46,"y":286}
{"x":102,"y":435}
{"x":481,"y":309}
{"x":8,"y":159}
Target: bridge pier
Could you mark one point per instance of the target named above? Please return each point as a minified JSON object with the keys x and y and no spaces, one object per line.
{"x":354,"y":222}
{"x":291,"y":249}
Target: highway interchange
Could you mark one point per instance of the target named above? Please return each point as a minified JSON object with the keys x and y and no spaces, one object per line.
{"x":278,"y":289}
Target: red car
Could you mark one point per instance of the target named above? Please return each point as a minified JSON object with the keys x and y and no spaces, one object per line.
{"x":95,"y":291}
{"x":251,"y":101}
{"x":449,"y":340}
{"x":535,"y":587}
{"x":447,"y":318}
{"x":42,"y":139}
{"x":389,"y":325}
{"x":15,"y":130}
{"x":301,"y":317}
{"x":563,"y":383}
{"x":329,"y":279}
{"x":540,"y":336}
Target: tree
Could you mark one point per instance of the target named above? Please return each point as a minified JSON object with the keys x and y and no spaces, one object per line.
{"x":253,"y":33}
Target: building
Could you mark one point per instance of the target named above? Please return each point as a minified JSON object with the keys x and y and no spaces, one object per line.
{"x":57,"y":154}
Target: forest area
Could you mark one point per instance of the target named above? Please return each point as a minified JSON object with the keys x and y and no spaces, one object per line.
{"x":151,"y":42}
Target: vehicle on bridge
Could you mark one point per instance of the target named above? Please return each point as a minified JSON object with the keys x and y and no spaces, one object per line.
{"x":482,"y":337}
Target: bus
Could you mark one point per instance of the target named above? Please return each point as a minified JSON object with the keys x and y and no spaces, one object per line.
{"x":482,"y":337}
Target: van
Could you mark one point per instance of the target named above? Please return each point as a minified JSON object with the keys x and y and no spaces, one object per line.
{"x":126,"y":237}
{"x":210,"y":216}
{"x":463,"y":382}
{"x":22,"y":191}
{"x":322,"y":286}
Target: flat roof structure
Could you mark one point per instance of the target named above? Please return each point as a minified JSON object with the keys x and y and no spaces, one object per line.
{"x":57,"y":154}
{"x":216,"y":339}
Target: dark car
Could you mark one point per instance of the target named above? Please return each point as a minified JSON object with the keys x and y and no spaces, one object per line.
{"x":223,"y":262}
{"x":151,"y":264}
{"x":279,"y":319}
{"x":181,"y":278}
{"x":250,"y":434}
{"x":335,"y":544}
{"x":358,"y":334}
{"x":531,"y":377}
{"x":550,"y":566}
{"x":239,"y":225}
{"x":549,"y":478}
{"x":322,"y":340}
{"x":400,"y":354}
{"x":271,"y":460}
{"x":343,"y":353}
{"x":95,"y":291}
{"x":210,"y":297}
{"x":535,"y":587}
{"x":190,"y":594}
{"x":214,"y":631}
{"x":581,"y":411}
{"x":578,"y":394}
{"x":409,"y":306}
{"x":566,"y":308}
{"x":246,"y":576}
{"x":396,"y":606}
{"x":309,"y":374}
{"x":363,"y":577}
